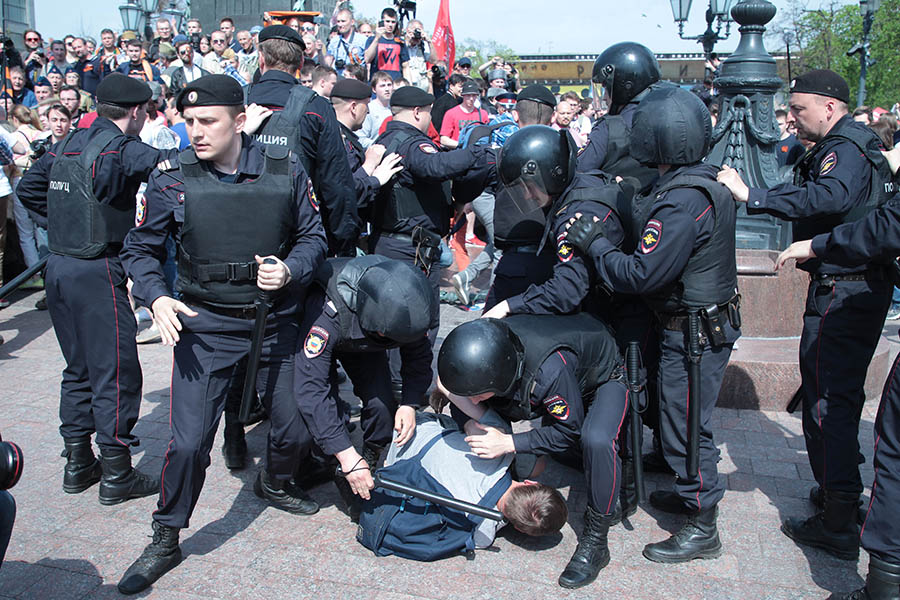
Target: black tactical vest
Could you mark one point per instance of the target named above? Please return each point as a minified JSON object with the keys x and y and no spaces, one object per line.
{"x":339,"y":278}
{"x":618,"y":161}
{"x":710,"y":276}
{"x":586,"y":336}
{"x":396,"y":202}
{"x":881,"y":187}
{"x":512,"y":228}
{"x":597,"y":186}
{"x":282,"y":128}
{"x":78,"y":224}
{"x":226,"y":224}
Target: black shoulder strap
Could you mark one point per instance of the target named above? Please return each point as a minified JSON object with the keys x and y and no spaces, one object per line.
{"x":95,"y":146}
{"x":277,"y":160}
{"x":394,"y":144}
{"x":189,"y":163}
{"x":617,"y":130}
{"x":299,"y":97}
{"x":704,"y":184}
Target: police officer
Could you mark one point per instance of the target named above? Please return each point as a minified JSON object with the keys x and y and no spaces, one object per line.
{"x":371,"y":169}
{"x":564,"y":368}
{"x":517,"y":235}
{"x":304,"y":122}
{"x":261,"y":198}
{"x":352,"y":315}
{"x":684,"y":267}
{"x":873,"y":238}
{"x":839,"y":180}
{"x":85,"y":187}
{"x":621,"y":76}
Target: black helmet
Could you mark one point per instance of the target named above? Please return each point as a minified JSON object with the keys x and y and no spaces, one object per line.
{"x":481,"y":356}
{"x":394,"y":300}
{"x":537,"y":163}
{"x":625,"y":69}
{"x":671,"y":126}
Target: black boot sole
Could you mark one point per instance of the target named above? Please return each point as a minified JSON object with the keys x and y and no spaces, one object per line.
{"x":77,"y":488}
{"x":835,"y":552}
{"x":705,"y":555}
{"x":177,"y":561}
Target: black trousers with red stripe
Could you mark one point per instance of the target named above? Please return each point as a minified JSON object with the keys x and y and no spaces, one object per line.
{"x":95,"y":327}
{"x":707,"y":488}
{"x":841,"y":326}
{"x":881,"y":529}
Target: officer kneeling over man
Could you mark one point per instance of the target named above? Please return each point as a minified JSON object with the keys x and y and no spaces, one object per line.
{"x":231,"y":204}
{"x":527,"y":366}
{"x":352,"y":315}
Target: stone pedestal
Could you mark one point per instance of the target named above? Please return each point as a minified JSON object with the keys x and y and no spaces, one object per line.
{"x":763,"y":372}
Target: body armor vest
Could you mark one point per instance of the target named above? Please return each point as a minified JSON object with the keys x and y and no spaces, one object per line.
{"x":283,"y":127}
{"x":397,"y":201}
{"x":618,"y":161}
{"x":597,"y":186}
{"x":78,"y":224}
{"x":583,"y":334}
{"x":710,"y":276}
{"x":881,"y":186}
{"x":226,"y":224}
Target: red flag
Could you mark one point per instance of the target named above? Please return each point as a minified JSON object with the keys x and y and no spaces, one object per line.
{"x":443,"y":46}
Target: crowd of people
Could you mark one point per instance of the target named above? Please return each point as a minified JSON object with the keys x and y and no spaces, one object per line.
{"x":280,"y":201}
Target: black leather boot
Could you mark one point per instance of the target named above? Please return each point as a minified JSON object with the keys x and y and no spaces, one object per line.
{"x":628,"y":500}
{"x":159,"y":557}
{"x":82,"y":467}
{"x":697,"y":538}
{"x":670,"y":502}
{"x":592,"y":552}
{"x":833,"y":530}
{"x":286,"y":497}
{"x":817,"y":499}
{"x":235,"y":447}
{"x":121,"y":482}
{"x":882,"y":582}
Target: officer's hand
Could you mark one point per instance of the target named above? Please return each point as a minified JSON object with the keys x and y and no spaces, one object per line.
{"x":388,"y":167}
{"x":165,"y":313}
{"x":801,"y":251}
{"x":490,"y":444}
{"x":731,"y":179}
{"x":404,"y":424}
{"x":374,"y":154}
{"x":498,"y":311}
{"x":256,"y":114}
{"x":356,"y":470}
{"x":582,"y":231}
{"x":893,"y":158}
{"x":271,"y":277}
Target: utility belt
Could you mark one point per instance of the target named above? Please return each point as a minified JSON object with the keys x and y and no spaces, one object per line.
{"x":712,"y":319}
{"x":235,"y":312}
{"x":206,"y":272}
{"x":873,"y":273}
{"x":529,"y":249}
{"x":427,"y":244}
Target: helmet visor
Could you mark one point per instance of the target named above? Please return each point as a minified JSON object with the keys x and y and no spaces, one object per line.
{"x":528,"y":191}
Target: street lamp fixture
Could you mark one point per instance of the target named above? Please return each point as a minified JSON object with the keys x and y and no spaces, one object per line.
{"x":719,"y":11}
{"x":867,"y":10}
{"x":132,"y":16}
{"x":176,"y":16}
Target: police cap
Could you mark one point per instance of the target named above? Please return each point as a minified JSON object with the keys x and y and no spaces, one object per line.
{"x":211,"y":90}
{"x":538,"y":93}
{"x":121,"y":90}
{"x":822,"y":82}
{"x":351,"y":89}
{"x":281,"y":32}
{"x":410,"y":96}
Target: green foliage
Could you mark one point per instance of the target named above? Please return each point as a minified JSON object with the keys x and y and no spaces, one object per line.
{"x":484,"y":51}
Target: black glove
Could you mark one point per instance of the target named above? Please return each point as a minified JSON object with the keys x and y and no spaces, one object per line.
{"x":630,"y":186}
{"x":583,"y":232}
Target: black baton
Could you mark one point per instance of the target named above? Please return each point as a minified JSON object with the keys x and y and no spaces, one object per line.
{"x":447,"y":501}
{"x":796,"y":399}
{"x":693,"y":449}
{"x":22,"y":277}
{"x":637,"y":389}
{"x":259,"y":332}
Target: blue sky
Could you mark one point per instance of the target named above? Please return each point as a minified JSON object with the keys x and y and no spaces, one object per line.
{"x":527,"y":26}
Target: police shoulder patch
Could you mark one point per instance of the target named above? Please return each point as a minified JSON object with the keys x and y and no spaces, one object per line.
{"x":564,"y":251}
{"x":312,"y":195}
{"x":140,"y":212}
{"x":650,"y":237}
{"x":315,"y":343}
{"x":557,"y":407}
{"x":828,"y":163}
{"x":428,"y":148}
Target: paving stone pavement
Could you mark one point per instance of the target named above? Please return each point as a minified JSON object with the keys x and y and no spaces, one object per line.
{"x":70,"y":547}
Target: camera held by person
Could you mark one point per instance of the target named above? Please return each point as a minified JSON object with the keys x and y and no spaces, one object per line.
{"x":11,"y":463}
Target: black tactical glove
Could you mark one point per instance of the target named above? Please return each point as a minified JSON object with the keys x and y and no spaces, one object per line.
{"x":630,"y":186}
{"x":583,"y":232}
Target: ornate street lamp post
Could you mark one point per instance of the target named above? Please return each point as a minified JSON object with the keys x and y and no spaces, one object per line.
{"x":867,"y":10}
{"x":718,"y":11}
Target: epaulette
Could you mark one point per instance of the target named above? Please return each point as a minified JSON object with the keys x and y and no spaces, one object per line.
{"x":167,"y":165}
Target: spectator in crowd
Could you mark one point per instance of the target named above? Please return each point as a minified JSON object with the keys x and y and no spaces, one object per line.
{"x":168,"y":62}
{"x":176,"y":123}
{"x":416,"y":69}
{"x":449,"y":100}
{"x":212,"y":61}
{"x":43,"y":89}
{"x":226,"y":26}
{"x":885,"y":133}
{"x":323,"y":80}
{"x":379,"y":107}
{"x":137,"y":66}
{"x":164,"y":33}
{"x":788,"y":149}
{"x":312,"y":53}
{"x":230,"y":66}
{"x":90,"y":45}
{"x":32,"y":238}
{"x":56,"y":79}
{"x":463,"y":66}
{"x":306,"y":74}
{"x":385,"y":51}
{"x":204,"y":46}
{"x":496,"y":78}
{"x":863,"y":114}
{"x":365,"y":29}
{"x":79,"y":49}
{"x":71,"y":99}
{"x":60,"y":120}
{"x":459,"y":117}
{"x":247,"y":55}
{"x":107,"y":43}
{"x":20,"y":93}
{"x":57,"y":58}
{"x":35,"y":55}
{"x":194,"y":27}
{"x":188,"y":71}
{"x":70,"y":51}
{"x":358,"y":72}
{"x":348,"y":47}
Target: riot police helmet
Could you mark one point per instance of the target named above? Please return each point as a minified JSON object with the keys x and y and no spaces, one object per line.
{"x":395,"y":302}
{"x":623,"y":71}
{"x":671,"y":126}
{"x":481,"y":356}
{"x":536,"y":164}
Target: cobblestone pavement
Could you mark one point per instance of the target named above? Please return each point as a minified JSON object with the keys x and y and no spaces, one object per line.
{"x":70,"y":547}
